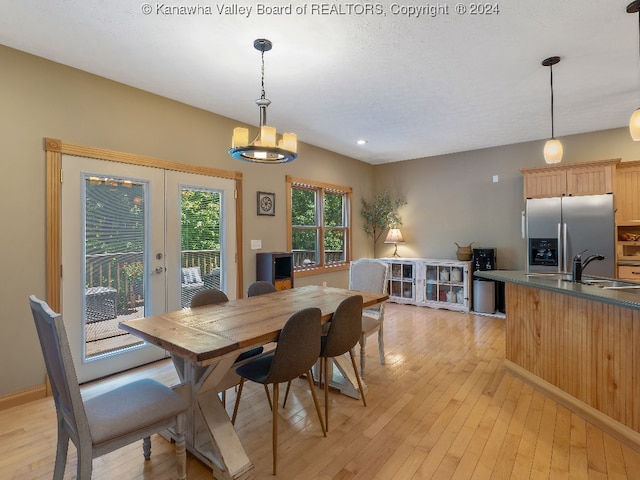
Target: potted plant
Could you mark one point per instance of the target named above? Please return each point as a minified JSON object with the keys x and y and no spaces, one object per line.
{"x":380,"y":214}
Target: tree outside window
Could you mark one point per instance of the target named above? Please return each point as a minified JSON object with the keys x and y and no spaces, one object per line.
{"x":319,"y":223}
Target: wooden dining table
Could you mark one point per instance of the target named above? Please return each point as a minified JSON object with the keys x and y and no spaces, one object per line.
{"x":205,"y":342}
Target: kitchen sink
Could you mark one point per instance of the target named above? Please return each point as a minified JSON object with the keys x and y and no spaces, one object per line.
{"x":611,"y":284}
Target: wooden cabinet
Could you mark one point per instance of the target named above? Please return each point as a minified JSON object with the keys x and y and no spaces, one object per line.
{"x":628,"y":192}
{"x":430,"y":283}
{"x":628,"y":220}
{"x":588,"y":178}
{"x":275,"y":267}
{"x":402,"y":280}
{"x":444,"y":284}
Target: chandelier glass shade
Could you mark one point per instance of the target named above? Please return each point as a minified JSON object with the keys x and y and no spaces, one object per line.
{"x":265,"y":146}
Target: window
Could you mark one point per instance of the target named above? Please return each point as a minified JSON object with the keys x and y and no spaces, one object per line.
{"x":319,"y":225}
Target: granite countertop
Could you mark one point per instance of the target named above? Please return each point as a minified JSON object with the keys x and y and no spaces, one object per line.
{"x":561,"y":283}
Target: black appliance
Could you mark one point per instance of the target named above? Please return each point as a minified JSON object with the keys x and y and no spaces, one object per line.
{"x":484,"y":258}
{"x":488,"y":295}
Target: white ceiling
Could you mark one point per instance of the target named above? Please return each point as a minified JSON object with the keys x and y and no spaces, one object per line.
{"x":413,"y":87}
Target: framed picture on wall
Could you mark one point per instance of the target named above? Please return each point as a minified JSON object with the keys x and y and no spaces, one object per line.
{"x":266,"y":203}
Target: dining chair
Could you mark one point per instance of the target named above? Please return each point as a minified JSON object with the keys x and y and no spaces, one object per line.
{"x":344,"y":332}
{"x":209,"y":296}
{"x":108,"y":421}
{"x":298,"y":348}
{"x":213,"y":296}
{"x":260,"y":287}
{"x":370,"y":275}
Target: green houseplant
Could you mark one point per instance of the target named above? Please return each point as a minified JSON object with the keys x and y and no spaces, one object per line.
{"x":380,"y":214}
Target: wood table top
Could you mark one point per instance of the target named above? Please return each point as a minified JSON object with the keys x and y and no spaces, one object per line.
{"x":204,"y":333}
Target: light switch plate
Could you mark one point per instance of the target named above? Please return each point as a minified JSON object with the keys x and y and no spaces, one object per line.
{"x":256,"y":244}
{"x":495,"y":179}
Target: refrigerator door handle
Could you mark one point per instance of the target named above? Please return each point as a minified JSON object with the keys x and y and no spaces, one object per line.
{"x":564,"y":247}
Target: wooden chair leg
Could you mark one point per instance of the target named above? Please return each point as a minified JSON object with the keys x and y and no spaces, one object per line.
{"x":286,"y":394}
{"x":363,"y":342}
{"x":381,"y":346}
{"x":181,"y":450}
{"x":355,"y":370}
{"x":235,"y":407}
{"x":326,"y":393}
{"x":315,"y":401}
{"x":266,"y":390}
{"x":275,"y":426}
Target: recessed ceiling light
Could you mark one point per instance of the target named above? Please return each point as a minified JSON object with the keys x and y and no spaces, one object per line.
{"x":361,"y":142}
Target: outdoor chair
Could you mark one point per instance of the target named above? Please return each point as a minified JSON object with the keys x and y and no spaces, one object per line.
{"x":108,"y":421}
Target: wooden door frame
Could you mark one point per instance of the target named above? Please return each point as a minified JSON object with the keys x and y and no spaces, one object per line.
{"x":55,"y":148}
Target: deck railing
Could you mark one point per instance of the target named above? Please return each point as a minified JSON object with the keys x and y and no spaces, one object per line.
{"x":124,"y":272}
{"x":307,"y":258}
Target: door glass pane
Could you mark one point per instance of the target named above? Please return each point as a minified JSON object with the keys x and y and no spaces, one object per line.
{"x":200,"y":234}
{"x":114,"y":261}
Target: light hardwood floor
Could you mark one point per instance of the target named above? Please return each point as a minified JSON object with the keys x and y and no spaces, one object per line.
{"x":442,"y":408}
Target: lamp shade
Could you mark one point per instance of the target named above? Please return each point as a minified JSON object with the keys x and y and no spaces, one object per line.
{"x":634,"y":125}
{"x":553,"y":151}
{"x":394,"y":236}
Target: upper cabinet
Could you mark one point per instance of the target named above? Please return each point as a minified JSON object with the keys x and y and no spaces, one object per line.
{"x":588,"y":178}
{"x":628,"y":192}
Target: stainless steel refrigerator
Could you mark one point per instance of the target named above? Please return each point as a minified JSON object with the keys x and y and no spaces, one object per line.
{"x":559,"y":228}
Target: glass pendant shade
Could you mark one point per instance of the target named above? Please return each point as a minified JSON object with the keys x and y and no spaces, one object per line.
{"x":634,"y":125}
{"x":553,"y":151}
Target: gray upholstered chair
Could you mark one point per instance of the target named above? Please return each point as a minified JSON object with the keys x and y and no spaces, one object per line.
{"x":344,"y":332}
{"x":370,"y":275}
{"x":260,"y":287}
{"x":210,"y":296}
{"x":111,"y":420}
{"x":297,"y":350}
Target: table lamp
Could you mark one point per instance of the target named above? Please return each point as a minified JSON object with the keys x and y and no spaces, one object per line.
{"x":394,"y":236}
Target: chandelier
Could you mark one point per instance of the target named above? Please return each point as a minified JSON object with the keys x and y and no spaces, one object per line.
{"x":263,"y":148}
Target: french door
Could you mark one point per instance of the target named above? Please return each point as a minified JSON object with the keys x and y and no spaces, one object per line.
{"x":137,"y":241}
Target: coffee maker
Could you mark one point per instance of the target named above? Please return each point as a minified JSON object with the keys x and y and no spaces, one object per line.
{"x":484,"y":259}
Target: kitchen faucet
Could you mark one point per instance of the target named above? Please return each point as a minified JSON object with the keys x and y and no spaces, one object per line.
{"x":579,"y":265}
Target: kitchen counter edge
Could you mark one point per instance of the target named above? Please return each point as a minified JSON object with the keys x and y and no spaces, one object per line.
{"x":567,"y":287}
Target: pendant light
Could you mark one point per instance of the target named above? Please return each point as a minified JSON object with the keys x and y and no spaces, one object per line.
{"x":634,"y":122}
{"x":263,"y":148}
{"x":553,"y":147}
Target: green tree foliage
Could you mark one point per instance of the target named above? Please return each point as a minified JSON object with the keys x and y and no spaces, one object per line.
{"x":380,"y":214}
{"x":200,"y":217}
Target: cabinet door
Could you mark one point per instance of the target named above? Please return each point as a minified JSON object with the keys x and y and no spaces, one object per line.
{"x":590,"y":180}
{"x":628,"y":192}
{"x":545,"y":183}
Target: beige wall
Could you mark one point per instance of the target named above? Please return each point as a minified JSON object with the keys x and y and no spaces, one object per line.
{"x":450,"y":198}
{"x":43,"y":99}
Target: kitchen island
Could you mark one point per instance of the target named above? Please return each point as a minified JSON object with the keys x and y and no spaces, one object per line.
{"x":577,"y":342}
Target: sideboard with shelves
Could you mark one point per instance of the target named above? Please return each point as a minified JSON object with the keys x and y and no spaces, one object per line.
{"x":402,"y":280}
{"x":431,"y":283}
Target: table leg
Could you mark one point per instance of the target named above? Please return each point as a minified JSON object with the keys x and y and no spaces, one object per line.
{"x":347,"y":383}
{"x":210,"y":435}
